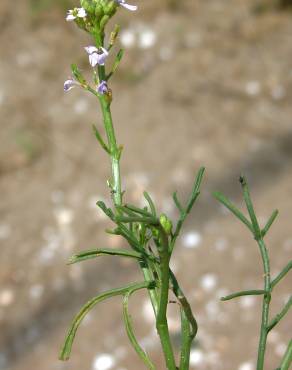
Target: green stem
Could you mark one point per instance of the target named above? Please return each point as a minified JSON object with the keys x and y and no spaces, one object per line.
{"x":161,"y":320}
{"x":114,"y":150}
{"x":189,"y":326}
{"x":266,"y":306}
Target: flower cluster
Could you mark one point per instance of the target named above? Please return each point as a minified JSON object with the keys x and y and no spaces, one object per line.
{"x":97,"y":55}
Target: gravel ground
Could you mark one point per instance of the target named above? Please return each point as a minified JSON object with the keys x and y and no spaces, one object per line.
{"x":202,"y":83}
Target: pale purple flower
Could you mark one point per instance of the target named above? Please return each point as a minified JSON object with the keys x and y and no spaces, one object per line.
{"x":70,"y":84}
{"x":96,"y":55}
{"x":102,"y":88}
{"x":126,"y":5}
{"x":76,"y":13}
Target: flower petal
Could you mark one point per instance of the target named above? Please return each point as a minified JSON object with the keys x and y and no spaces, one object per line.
{"x":91,"y":49}
{"x":129,"y":7}
{"x":81,"y":13}
{"x":69,"y":84}
{"x":70,"y":16}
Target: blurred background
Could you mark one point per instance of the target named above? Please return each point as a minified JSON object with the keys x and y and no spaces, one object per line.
{"x":202,"y":83}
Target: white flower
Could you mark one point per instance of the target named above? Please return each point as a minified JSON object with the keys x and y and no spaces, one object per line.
{"x":70,"y":84}
{"x":96,"y":55}
{"x":76,"y":12}
{"x":127,"y":6}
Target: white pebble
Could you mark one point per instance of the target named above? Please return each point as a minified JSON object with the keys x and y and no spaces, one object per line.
{"x":246,"y":366}
{"x":253,"y":88}
{"x":196,"y":357}
{"x":5,"y":231}
{"x":147,"y":39}
{"x":247,"y":301}
{"x":208,"y":282}
{"x":6,"y":297}
{"x":103,"y":362}
{"x":191,"y":239}
{"x":280,"y":349}
{"x":128,"y":38}
{"x":64,"y":216}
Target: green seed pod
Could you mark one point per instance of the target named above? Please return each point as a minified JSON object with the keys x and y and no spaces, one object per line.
{"x":165,"y":223}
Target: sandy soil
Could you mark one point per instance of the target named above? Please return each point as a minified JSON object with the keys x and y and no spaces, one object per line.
{"x":213,"y":88}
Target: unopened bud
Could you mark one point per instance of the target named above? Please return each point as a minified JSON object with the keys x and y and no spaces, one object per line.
{"x":165,"y":223}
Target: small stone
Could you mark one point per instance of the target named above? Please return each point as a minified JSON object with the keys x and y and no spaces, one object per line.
{"x":6,"y":297}
{"x":208,"y":282}
{"x":64,"y":216}
{"x":191,"y":239}
{"x":196,"y":357}
{"x":246,"y":366}
{"x":128,"y":38}
{"x":103,"y":362}
{"x":147,"y":39}
{"x":253,"y":88}
{"x":247,"y":301}
{"x":5,"y":231}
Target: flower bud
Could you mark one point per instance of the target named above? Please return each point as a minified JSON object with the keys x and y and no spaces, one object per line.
{"x":165,"y":223}
{"x":110,"y":8}
{"x":88,"y":5}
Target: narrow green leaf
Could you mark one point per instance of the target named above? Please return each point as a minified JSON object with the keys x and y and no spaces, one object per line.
{"x":196,"y":189}
{"x":116,"y":63}
{"x":140,"y":211}
{"x":177,"y":203}
{"x":93,"y":253}
{"x":287,"y":359}
{"x":66,"y":350}
{"x":100,"y":139}
{"x":250,"y":207}
{"x":106,"y":210}
{"x":269,"y":223}
{"x":147,"y":220}
{"x":129,"y":328}
{"x":233,"y":209}
{"x":280,"y":315}
{"x":150,"y":202}
{"x":243,"y":293}
{"x":77,"y":74}
{"x":282,"y":274}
